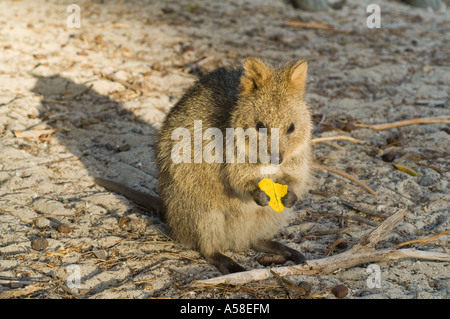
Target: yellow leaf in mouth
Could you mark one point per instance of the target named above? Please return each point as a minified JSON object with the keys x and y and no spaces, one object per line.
{"x":275,"y":191}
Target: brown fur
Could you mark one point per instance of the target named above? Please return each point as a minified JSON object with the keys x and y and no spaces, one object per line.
{"x":218,"y":206}
{"x":210,"y":207}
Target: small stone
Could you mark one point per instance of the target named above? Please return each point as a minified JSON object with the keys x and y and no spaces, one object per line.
{"x":63,"y":228}
{"x":340,"y":291}
{"x":42,"y":222}
{"x":39,"y":243}
{"x":100,"y":254}
{"x":388,"y":157}
{"x":123,"y":148}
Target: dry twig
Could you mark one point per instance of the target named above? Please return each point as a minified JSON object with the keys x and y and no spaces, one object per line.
{"x":422,"y":241}
{"x":333,"y":245}
{"x":362,"y":252}
{"x":379,"y":127}
{"x":339,"y":172}
{"x":338,"y":138}
{"x":296,"y":23}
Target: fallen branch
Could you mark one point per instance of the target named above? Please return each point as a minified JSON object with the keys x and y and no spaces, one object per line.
{"x":361,"y":253}
{"x":379,"y":127}
{"x":353,"y":179}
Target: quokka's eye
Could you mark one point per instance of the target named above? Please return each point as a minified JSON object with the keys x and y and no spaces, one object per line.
{"x":291,"y":128}
{"x":259,"y":125}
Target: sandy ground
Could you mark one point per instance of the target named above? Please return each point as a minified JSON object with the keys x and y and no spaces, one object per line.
{"x":79,"y":103}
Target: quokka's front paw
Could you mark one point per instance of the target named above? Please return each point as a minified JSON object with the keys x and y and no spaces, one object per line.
{"x":261,"y":198}
{"x":289,"y":199}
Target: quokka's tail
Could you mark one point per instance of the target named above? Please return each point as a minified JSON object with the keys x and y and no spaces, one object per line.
{"x":152,"y":202}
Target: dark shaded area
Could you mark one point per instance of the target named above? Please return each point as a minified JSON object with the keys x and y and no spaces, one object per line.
{"x":92,"y":126}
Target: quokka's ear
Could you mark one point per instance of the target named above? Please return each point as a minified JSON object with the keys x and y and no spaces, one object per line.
{"x":256,"y":73}
{"x":297,"y":75}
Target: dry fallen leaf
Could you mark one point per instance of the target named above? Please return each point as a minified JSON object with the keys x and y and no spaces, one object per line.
{"x":296,"y":23}
{"x":275,"y":191}
{"x":406,"y":169}
{"x":62,"y":252}
{"x":33,"y":133}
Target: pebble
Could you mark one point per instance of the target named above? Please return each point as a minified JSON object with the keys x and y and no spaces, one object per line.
{"x":63,"y":229}
{"x":340,"y":291}
{"x":39,"y":243}
{"x":42,"y":222}
{"x":388,"y":157}
{"x":100,"y":254}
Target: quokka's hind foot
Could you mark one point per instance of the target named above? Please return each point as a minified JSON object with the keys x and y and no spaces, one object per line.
{"x":225,"y":264}
{"x":273,"y":247}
